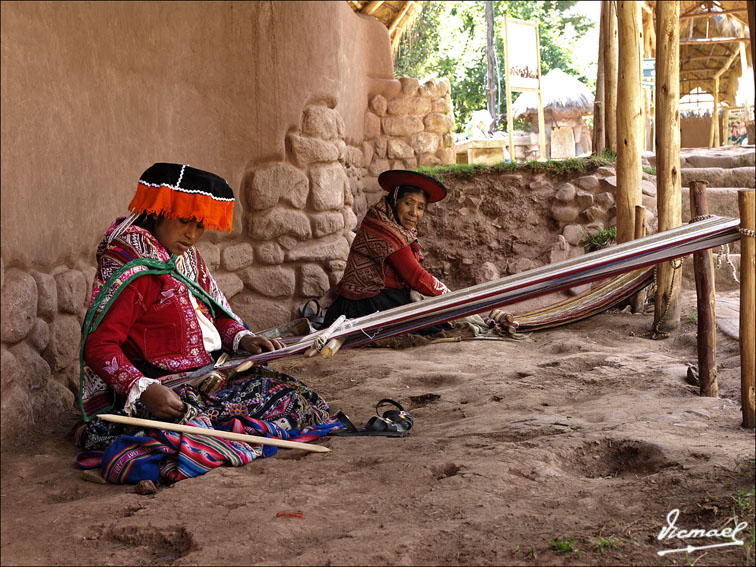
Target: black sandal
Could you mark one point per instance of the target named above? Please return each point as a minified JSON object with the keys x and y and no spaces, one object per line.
{"x":393,"y":423}
{"x":313,"y":313}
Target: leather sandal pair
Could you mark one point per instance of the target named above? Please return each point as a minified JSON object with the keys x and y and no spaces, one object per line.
{"x":393,"y":423}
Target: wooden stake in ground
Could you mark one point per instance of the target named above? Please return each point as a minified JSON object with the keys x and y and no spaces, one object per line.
{"x":668,"y":190}
{"x":703,"y":262}
{"x":629,"y":118}
{"x":610,"y":74}
{"x":252,"y":439}
{"x":747,"y":205}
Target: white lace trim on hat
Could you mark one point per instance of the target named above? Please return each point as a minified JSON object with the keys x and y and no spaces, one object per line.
{"x":184,"y":190}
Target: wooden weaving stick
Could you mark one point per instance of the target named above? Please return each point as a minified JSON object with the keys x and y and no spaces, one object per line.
{"x":253,"y":439}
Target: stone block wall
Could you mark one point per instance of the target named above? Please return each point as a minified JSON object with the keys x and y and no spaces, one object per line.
{"x":42,"y":313}
{"x":411,"y":129}
{"x":504,"y":222}
{"x":300,"y":213}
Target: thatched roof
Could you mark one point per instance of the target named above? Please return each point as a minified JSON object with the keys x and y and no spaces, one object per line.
{"x":562,"y":94}
{"x":396,"y":16}
{"x":711,"y":33}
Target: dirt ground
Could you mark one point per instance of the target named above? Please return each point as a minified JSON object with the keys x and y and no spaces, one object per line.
{"x":569,"y":447}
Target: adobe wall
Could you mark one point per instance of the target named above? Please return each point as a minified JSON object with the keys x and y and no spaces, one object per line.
{"x":94,"y":93}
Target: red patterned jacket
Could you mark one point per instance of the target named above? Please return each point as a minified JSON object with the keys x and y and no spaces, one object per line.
{"x":152,"y":320}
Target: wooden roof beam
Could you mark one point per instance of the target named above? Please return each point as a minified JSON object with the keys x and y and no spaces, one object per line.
{"x":712,"y":40}
{"x":710,"y":14}
{"x":372,"y":7}
{"x":396,"y":21}
{"x":727,"y":65}
{"x":700,"y":57}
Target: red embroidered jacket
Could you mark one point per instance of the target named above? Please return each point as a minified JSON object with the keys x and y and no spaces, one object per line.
{"x":403,"y":269}
{"x":152,"y":320}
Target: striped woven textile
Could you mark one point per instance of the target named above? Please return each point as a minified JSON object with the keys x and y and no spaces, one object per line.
{"x":608,"y":262}
{"x":161,"y":454}
{"x":586,"y":304}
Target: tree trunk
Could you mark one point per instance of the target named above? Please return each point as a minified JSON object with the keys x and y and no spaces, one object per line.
{"x":629,"y":119}
{"x":668,"y":192}
{"x":610,"y":75}
{"x":490,"y":61}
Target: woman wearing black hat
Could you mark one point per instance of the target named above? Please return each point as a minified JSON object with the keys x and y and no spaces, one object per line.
{"x":157,"y":315}
{"x":384,"y":260}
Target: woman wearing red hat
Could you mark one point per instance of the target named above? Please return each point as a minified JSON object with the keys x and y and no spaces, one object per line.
{"x":156,"y":314}
{"x":384,"y":260}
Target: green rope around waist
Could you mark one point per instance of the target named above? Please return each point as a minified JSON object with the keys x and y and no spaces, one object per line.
{"x":93,"y":318}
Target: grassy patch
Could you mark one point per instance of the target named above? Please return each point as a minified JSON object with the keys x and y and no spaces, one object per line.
{"x":564,"y":544}
{"x":610,"y":542}
{"x":555,"y":166}
{"x":692,"y":318}
{"x":602,"y":239}
{"x":650,"y":170}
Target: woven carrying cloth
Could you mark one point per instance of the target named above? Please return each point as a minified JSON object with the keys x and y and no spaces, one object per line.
{"x":379,"y":236}
{"x":262,"y":403}
{"x":179,"y":191}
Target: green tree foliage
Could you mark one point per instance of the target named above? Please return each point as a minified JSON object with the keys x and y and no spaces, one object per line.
{"x":448,"y":39}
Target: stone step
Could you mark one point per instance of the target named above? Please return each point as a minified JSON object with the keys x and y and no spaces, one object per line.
{"x":725,"y":161}
{"x":725,"y":157}
{"x":718,"y":177}
{"x":723,"y":279}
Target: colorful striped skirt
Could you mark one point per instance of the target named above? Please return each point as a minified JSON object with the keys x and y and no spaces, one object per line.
{"x":259,"y":402}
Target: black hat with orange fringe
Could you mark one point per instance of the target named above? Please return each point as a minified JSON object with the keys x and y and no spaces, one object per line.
{"x":180,"y":191}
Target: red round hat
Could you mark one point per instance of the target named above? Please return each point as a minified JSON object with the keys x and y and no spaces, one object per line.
{"x":393,"y":178}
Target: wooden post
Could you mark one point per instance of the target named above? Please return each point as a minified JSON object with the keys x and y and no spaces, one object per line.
{"x":638,"y":301}
{"x":490,"y":62}
{"x":667,"y":136}
{"x":610,"y":74}
{"x":629,"y":118}
{"x":508,"y":89}
{"x":703,"y":263}
{"x":541,"y":121}
{"x":599,"y":142}
{"x":752,"y":26}
{"x":747,"y":204}
{"x":714,"y":128}
{"x":743,"y":71}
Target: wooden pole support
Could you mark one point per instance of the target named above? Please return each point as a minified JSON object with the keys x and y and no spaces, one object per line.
{"x":703,"y":263}
{"x":747,"y":206}
{"x":637,"y":302}
{"x":253,"y":439}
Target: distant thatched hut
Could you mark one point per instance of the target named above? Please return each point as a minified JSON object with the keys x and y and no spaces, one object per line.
{"x":565,"y":101}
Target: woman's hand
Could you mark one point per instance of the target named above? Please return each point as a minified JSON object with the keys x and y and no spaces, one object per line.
{"x":163,"y":402}
{"x":256,"y":345}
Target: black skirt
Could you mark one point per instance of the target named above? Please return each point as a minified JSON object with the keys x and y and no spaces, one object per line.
{"x":387,"y":298}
